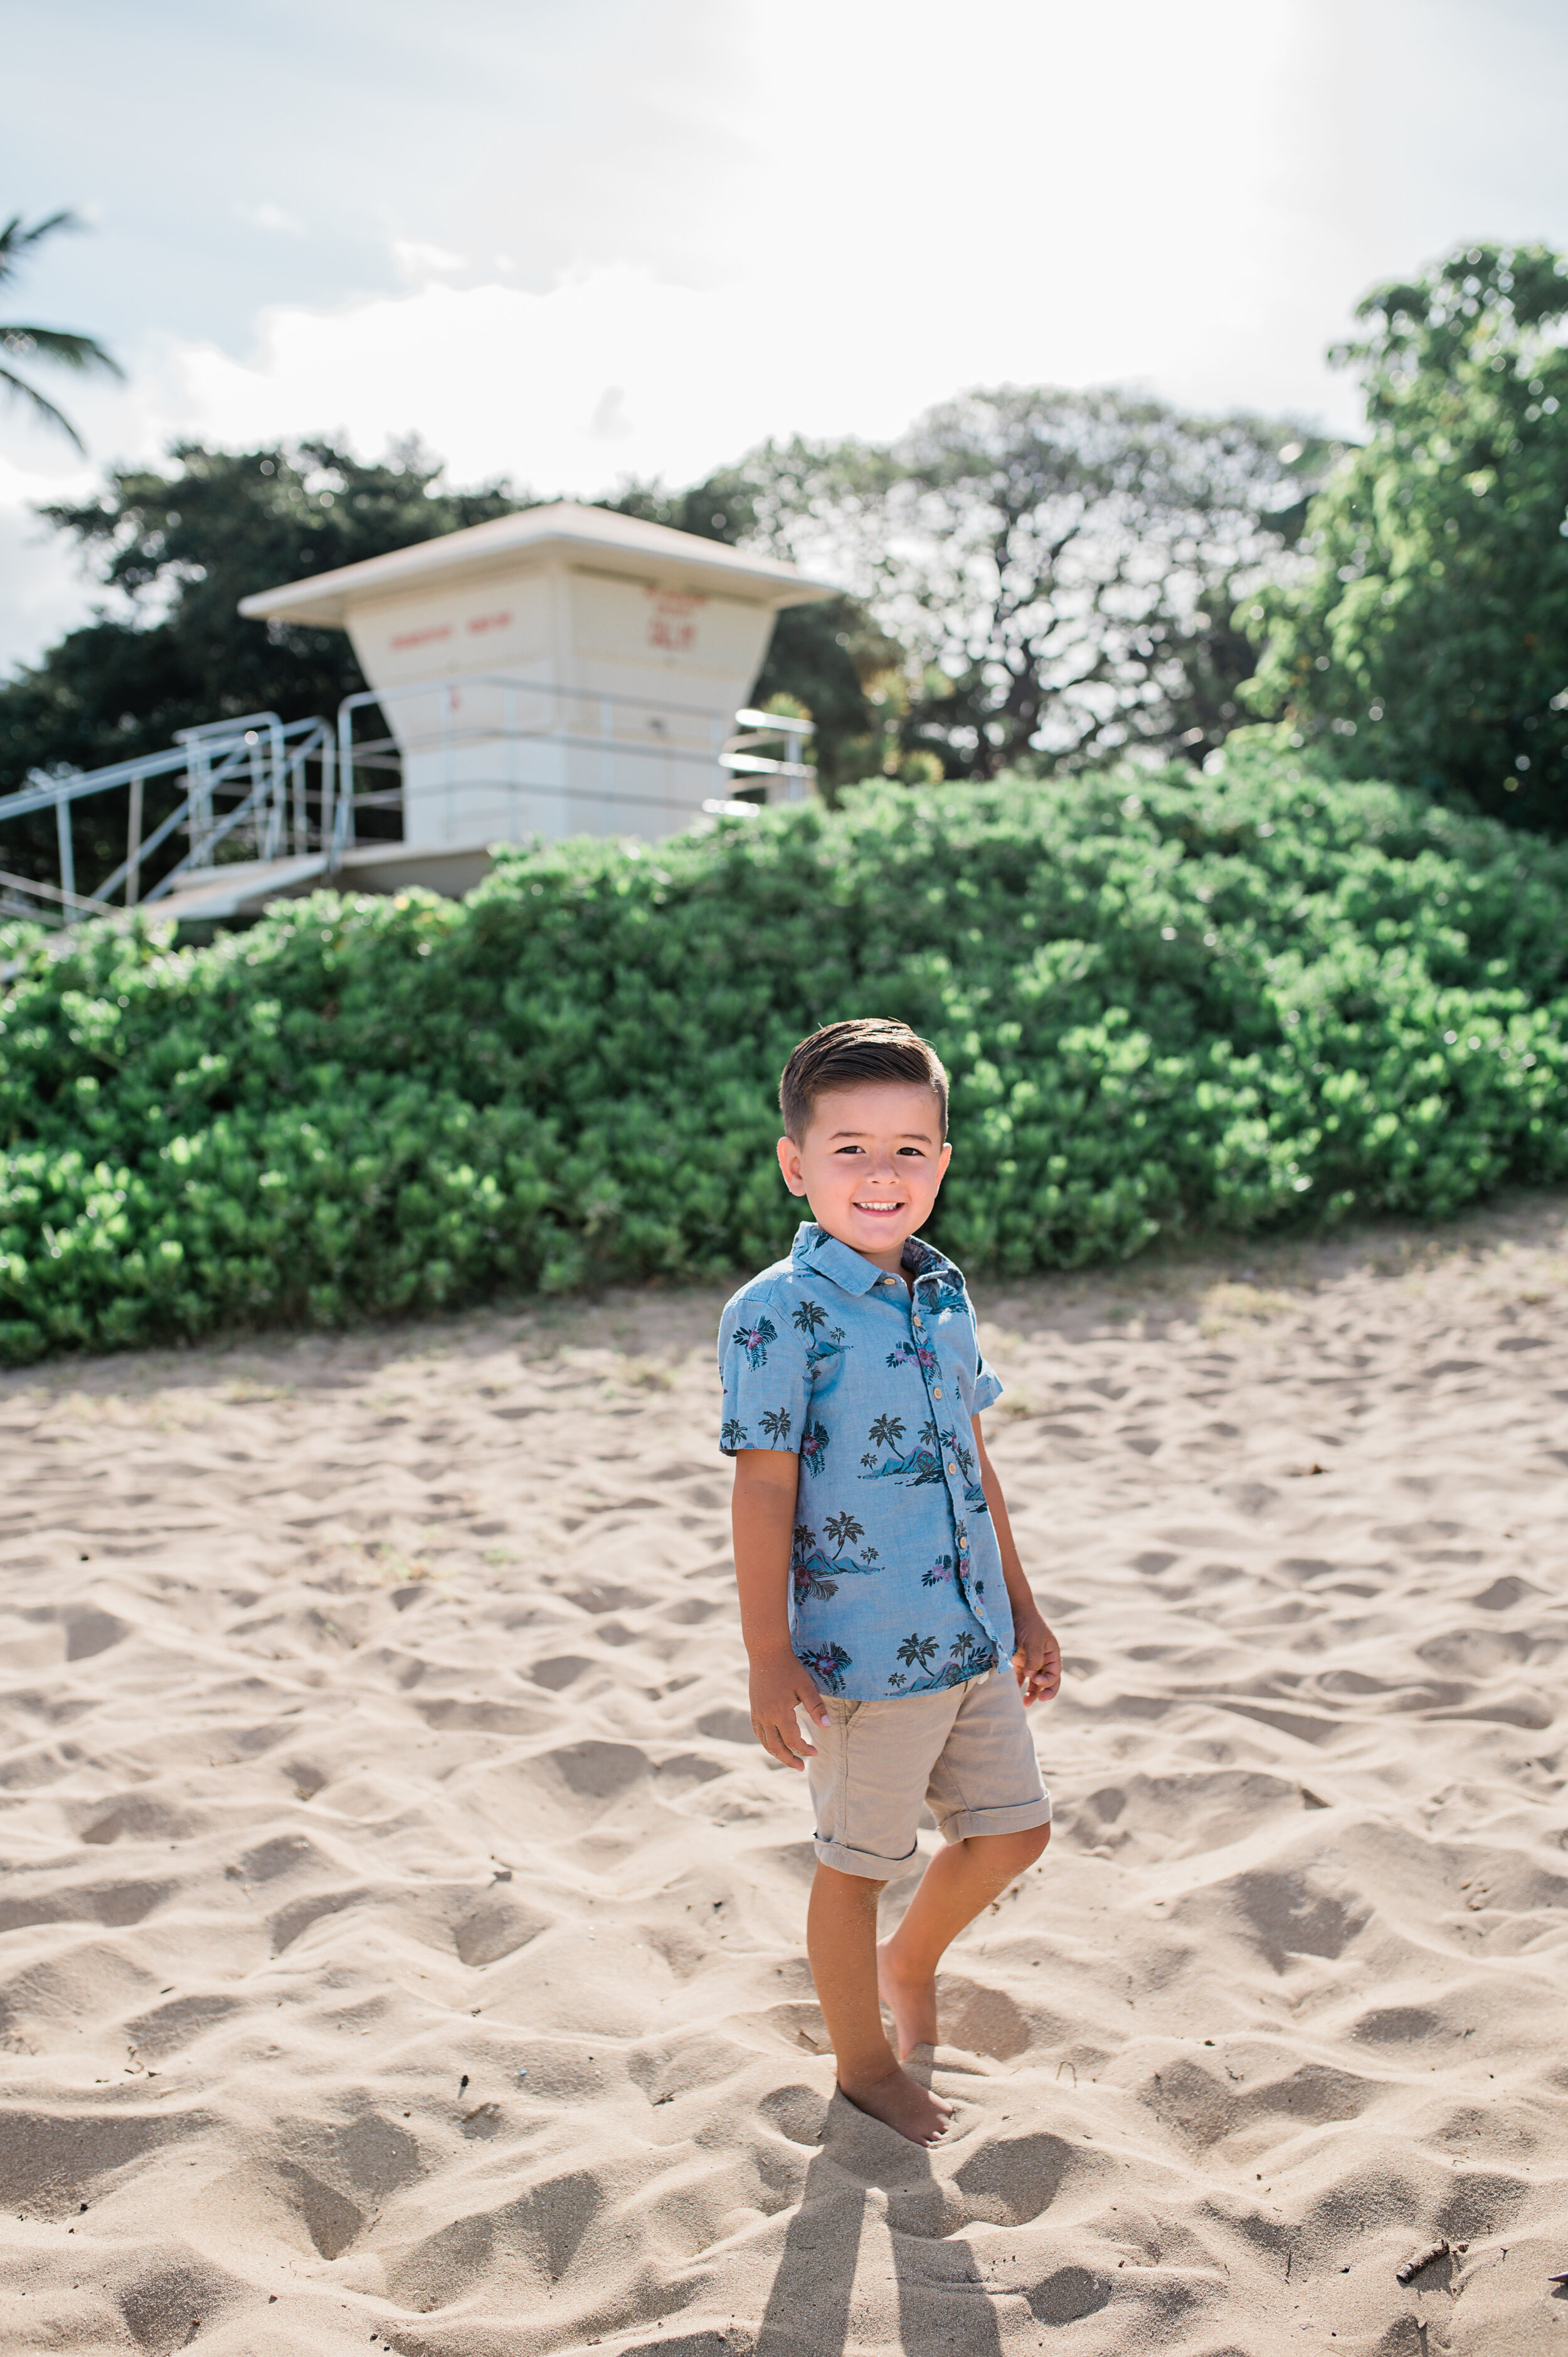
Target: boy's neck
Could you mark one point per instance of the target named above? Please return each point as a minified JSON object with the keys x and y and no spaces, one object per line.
{"x":890,"y":1258}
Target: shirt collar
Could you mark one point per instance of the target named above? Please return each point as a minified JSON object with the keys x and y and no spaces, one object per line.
{"x":814,"y":1248}
{"x":922,"y":1259}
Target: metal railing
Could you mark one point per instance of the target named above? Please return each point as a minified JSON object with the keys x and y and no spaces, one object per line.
{"x":294,"y":787}
{"x":262,"y":762}
{"x":437,"y":722}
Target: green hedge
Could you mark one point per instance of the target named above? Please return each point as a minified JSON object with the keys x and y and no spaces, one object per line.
{"x":1166,"y":1000}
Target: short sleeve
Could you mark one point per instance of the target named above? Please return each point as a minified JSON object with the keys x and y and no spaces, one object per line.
{"x":988,"y":1384}
{"x":766,"y":1388}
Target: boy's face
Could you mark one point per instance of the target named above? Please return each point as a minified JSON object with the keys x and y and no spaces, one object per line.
{"x":870,"y":1165}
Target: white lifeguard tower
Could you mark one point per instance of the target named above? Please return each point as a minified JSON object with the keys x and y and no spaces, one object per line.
{"x":567,"y":670}
{"x":562,"y":671}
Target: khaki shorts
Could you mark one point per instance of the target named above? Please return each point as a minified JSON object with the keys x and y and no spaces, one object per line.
{"x":967,"y":1753}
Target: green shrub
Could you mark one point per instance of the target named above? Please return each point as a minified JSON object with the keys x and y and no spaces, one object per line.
{"x":1166,"y":1000}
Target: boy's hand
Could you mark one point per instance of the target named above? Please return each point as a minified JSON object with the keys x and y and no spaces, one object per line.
{"x":1037,"y":1657}
{"x":778,"y":1684}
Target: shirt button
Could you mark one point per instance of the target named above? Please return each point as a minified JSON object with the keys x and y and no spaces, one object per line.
{"x":952,"y":1469}
{"x":937,"y":1391}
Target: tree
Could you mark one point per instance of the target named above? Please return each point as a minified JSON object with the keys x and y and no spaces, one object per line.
{"x":178,"y":549}
{"x":1428,"y":639}
{"x":57,"y":345}
{"x":1061,"y":567}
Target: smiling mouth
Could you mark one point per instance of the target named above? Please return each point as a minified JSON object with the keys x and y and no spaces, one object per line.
{"x":879,"y":1211}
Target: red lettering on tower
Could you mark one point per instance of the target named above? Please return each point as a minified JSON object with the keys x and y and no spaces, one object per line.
{"x":672,"y":624}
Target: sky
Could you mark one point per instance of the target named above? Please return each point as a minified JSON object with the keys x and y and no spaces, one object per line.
{"x":571,"y":241}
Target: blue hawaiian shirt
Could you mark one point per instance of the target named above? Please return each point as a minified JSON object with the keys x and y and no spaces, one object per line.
{"x":896,"y":1585}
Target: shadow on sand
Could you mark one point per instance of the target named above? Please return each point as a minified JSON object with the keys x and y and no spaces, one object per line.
{"x":943,"y":2302}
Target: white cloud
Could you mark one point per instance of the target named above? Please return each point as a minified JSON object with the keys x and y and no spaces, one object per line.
{"x":612,"y":373}
{"x":609,"y":422}
{"x":420,"y":261}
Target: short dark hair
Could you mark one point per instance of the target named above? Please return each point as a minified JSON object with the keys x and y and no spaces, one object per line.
{"x":844,"y":1055}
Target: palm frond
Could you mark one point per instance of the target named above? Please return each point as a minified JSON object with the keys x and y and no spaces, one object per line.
{"x":59,"y":344}
{"x":20,"y":387}
{"x":15,"y":241}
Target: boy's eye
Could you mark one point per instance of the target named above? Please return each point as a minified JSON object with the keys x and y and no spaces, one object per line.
{"x":917,"y":1151}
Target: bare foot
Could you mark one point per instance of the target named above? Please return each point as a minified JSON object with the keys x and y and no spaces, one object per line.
{"x":912,"y":2003}
{"x":898,"y":2101}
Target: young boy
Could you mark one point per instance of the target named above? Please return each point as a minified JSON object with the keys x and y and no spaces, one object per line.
{"x":881,"y":1594}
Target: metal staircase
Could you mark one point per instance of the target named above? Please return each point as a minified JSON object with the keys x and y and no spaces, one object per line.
{"x":266,"y":807}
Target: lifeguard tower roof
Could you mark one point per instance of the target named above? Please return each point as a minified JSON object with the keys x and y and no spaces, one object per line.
{"x":563,"y":532}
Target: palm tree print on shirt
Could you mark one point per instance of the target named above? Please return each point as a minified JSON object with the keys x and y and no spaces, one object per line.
{"x":886,"y":1433}
{"x":921,"y":1464}
{"x":968,"y":1657}
{"x":777,"y":1422}
{"x":809,"y":1567}
{"x":816,"y":1573}
{"x":807,"y":1317}
{"x":827,"y":1665}
{"x":754,"y":1340}
{"x":734,"y":1436}
{"x":934,"y":1450}
{"x":975,"y":1496}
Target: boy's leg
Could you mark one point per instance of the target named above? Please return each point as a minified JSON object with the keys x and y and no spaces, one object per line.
{"x":867,"y":1776}
{"x":841,"y":1939}
{"x":961,"y":1881}
{"x":994,"y":1815}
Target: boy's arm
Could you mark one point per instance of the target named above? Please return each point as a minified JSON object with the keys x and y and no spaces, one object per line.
{"x":763,"y":1518}
{"x":1037,"y":1659}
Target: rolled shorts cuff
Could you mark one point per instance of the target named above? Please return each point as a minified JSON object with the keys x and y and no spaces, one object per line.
{"x":865,"y":1862}
{"x":1019,"y":1819}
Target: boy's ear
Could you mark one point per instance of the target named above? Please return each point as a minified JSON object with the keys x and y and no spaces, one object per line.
{"x":789,"y":1164}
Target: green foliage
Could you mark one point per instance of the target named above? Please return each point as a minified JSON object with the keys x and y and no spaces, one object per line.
{"x":1428,"y":639}
{"x":1236,"y":1000}
{"x":60,"y":347}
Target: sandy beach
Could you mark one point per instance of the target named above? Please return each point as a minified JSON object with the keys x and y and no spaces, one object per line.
{"x":400,"y":1935}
